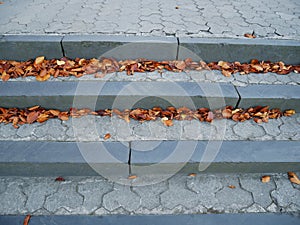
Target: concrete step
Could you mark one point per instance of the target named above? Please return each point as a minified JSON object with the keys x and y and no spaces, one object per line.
{"x":245,"y":219}
{"x":78,"y":147}
{"x":194,"y":89}
{"x":24,"y":47}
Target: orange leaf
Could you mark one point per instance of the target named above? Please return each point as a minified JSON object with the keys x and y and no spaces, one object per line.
{"x":42,"y":118}
{"x":63,"y":116}
{"x":224,"y":65}
{"x":31,"y":117}
{"x":5,"y":76}
{"x":167,"y":122}
{"x":293,"y":178}
{"x":289,"y":112}
{"x":43,"y":78}
{"x":192,"y":174}
{"x":131,"y":177}
{"x":249,"y":35}
{"x":227,"y":113}
{"x":107,"y":136}
{"x":265,"y":179}
{"x":34,"y":108}
{"x":26,"y":220}
{"x":226,"y":73}
{"x":231,"y":186}
{"x":54,"y":112}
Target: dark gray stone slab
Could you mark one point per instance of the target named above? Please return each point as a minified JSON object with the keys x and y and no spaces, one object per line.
{"x":29,"y":158}
{"x":242,"y":50}
{"x":24,"y":47}
{"x":205,"y":219}
{"x":121,"y":95}
{"x":120,"y":47}
{"x":276,"y":96}
{"x":214,"y":156}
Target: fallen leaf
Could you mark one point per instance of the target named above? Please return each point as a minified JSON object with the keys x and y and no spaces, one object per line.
{"x":265,"y":179}
{"x":42,"y":118}
{"x":247,"y":35}
{"x":293,"y":178}
{"x":63,"y":116}
{"x":39,"y":60}
{"x":177,"y":7}
{"x":32,"y":117}
{"x":180,"y":65}
{"x":167,"y":122}
{"x":33,"y":108}
{"x":192,"y":174}
{"x":54,"y":112}
{"x":224,"y":65}
{"x":5,"y":76}
{"x":289,"y":112}
{"x":59,"y":179}
{"x":43,"y":78}
{"x":26,"y":220}
{"x":60,"y":62}
{"x":226,"y":73}
{"x":227,"y":113}
{"x":231,"y":186}
{"x":131,"y":177}
{"x":107,"y":136}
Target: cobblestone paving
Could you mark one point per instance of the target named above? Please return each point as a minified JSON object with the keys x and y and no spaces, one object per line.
{"x":188,"y":76}
{"x":204,"y":193}
{"x":205,"y":18}
{"x":90,"y":128}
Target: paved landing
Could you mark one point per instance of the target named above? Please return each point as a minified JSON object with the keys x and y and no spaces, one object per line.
{"x":205,"y":18}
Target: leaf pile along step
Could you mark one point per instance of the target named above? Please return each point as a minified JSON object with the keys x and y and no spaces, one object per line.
{"x":38,"y":114}
{"x":43,"y":69}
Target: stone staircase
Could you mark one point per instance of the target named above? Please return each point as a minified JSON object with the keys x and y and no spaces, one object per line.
{"x":136,"y":152}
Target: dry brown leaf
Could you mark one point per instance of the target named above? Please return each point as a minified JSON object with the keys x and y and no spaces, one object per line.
{"x":59,"y":179}
{"x":192,"y":175}
{"x":63,"y":116}
{"x":43,"y":78}
{"x":226,"y":113}
{"x":107,"y":136}
{"x":39,"y":60}
{"x":247,"y":35}
{"x":131,"y":177}
{"x":32,"y":117}
{"x":167,"y":122}
{"x":265,"y":179}
{"x":54,"y":112}
{"x":42,"y":118}
{"x":5,"y":76}
{"x":294,"y":178}
{"x":34,"y":108}
{"x":224,"y":65}
{"x":180,"y":65}
{"x":226,"y":73}
{"x":289,"y":112}
{"x":231,"y":186}
{"x":26,"y":220}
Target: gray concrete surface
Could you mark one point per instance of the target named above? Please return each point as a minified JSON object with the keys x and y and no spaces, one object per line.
{"x":209,"y":18}
{"x":90,"y":128}
{"x":179,"y":194}
{"x":191,"y":219}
